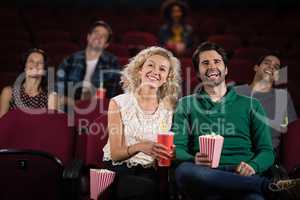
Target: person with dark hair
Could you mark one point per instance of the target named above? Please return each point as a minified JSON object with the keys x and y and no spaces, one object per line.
{"x":176,"y":35}
{"x":277,"y":103}
{"x":30,"y":91}
{"x":247,"y":150}
{"x":82,"y":73}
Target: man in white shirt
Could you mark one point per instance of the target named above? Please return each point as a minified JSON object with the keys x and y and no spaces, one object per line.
{"x":90,"y":69}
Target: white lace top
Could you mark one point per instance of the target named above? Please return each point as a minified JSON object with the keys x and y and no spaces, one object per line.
{"x":138,"y":126}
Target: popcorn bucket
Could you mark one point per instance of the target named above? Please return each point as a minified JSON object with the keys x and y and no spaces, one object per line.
{"x":211,"y":145}
{"x":100,"y":180}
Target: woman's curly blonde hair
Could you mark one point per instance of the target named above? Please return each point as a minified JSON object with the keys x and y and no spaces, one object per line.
{"x":170,"y":91}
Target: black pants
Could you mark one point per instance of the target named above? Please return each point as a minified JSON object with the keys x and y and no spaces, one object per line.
{"x":135,"y":183}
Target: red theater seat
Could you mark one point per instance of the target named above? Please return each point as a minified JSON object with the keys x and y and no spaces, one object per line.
{"x":118,"y":50}
{"x":91,"y":136}
{"x":269,"y":42}
{"x":13,"y":34}
{"x":10,"y":63}
{"x":241,"y":71}
{"x":229,"y":42}
{"x":14,"y":47}
{"x":59,"y":50}
{"x":123,"y":61}
{"x":28,"y":174}
{"x":137,"y":39}
{"x":291,"y":147}
{"x":187,"y":68}
{"x":210,"y":26}
{"x":43,"y":132}
{"x":50,"y":36}
{"x":91,"y":132}
{"x":36,"y":158}
{"x":250,"y":53}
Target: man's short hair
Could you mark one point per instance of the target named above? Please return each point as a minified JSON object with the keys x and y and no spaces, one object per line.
{"x":276,"y":54}
{"x":103,"y":24}
{"x":208,"y":46}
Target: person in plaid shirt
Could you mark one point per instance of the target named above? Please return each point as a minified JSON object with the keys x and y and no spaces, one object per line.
{"x":90,"y":69}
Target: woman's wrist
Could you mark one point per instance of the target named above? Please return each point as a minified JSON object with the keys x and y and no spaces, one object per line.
{"x":128,"y":151}
{"x":134,"y":149}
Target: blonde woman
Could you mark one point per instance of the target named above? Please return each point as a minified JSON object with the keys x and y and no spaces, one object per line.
{"x":152,"y":85}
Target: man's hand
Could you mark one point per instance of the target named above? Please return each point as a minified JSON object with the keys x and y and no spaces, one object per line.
{"x":202,"y":159}
{"x":245,"y":170}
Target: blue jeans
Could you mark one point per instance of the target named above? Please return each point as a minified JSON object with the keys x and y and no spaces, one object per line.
{"x":203,"y":182}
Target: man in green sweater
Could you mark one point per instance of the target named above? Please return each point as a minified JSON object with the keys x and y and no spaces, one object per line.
{"x":215,"y":108}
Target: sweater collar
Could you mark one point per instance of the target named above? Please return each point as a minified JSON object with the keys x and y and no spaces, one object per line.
{"x":206,"y":101}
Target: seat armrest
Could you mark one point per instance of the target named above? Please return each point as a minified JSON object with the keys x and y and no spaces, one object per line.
{"x":295,"y":172}
{"x":73,"y":170}
{"x":72,"y":183}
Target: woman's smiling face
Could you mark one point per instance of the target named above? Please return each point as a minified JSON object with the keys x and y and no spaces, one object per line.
{"x":155,"y":71}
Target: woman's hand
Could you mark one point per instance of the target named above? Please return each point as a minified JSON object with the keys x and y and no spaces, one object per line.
{"x":53,"y":102}
{"x":173,"y":152}
{"x":155,"y":150}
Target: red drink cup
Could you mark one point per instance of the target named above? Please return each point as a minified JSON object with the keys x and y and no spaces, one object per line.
{"x":167,"y":139}
{"x":101,"y":93}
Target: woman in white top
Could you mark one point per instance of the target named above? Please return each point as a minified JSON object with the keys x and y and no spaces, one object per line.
{"x":152,"y":85}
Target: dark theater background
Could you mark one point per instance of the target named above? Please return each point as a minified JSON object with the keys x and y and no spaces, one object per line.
{"x":245,"y":28}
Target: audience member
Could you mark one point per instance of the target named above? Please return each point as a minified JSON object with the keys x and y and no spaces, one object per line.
{"x":277,"y":103}
{"x":151,"y":82}
{"x":247,"y":151}
{"x":176,"y":34}
{"x":84,"y":72}
{"x":30,"y":91}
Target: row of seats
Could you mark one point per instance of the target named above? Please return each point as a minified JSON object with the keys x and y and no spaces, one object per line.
{"x":241,"y":64}
{"x":132,"y":42}
{"x":40,"y":153}
{"x":236,"y":66}
{"x":221,"y":17}
{"x":129,"y":37}
{"x":48,"y":155}
{"x":135,"y":40}
{"x":68,"y":25}
{"x":188,"y":72}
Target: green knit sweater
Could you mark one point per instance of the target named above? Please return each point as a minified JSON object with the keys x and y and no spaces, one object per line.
{"x":239,"y":119}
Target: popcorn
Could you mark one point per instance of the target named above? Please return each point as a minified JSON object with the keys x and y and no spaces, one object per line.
{"x":100,"y":180}
{"x":211,"y":145}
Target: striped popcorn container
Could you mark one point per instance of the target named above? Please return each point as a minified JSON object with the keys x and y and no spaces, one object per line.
{"x":100,"y":179}
{"x":211,"y":145}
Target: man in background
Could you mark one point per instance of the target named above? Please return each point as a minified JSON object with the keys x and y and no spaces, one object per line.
{"x":92,"y":68}
{"x":277,"y":103}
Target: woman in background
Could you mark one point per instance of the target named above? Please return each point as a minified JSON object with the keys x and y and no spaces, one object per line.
{"x":32,"y":91}
{"x":176,"y":35}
